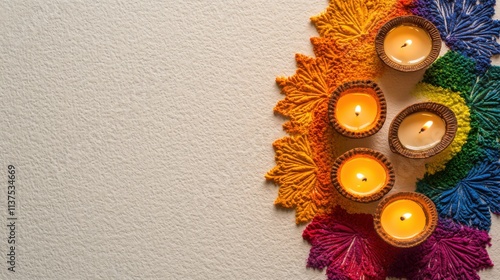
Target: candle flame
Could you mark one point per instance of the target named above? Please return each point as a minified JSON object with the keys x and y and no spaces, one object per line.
{"x":407,"y":43}
{"x":405,"y":216}
{"x":426,"y":126}
{"x":361,"y":177}
{"x":357,"y":110}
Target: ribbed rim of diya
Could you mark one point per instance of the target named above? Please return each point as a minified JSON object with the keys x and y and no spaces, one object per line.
{"x":415,"y":21}
{"x":363,"y":152}
{"x":431,"y":217}
{"x":442,"y":111}
{"x":361,"y":86}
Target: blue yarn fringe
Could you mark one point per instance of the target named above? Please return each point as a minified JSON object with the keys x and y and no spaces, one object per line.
{"x":473,"y":198}
{"x":466,"y":26}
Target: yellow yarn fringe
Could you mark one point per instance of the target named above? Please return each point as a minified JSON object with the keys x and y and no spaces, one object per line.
{"x":457,"y":104}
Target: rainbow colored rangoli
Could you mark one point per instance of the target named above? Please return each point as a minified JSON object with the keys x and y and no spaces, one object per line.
{"x":463,"y":181}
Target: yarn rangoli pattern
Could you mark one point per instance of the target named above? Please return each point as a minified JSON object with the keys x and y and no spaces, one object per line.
{"x":463,"y":181}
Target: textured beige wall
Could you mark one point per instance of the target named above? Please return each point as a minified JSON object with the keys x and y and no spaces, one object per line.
{"x":141,"y":131}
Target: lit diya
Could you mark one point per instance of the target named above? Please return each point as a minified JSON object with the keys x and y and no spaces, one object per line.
{"x":422,"y":130}
{"x":408,"y":43}
{"x":405,"y":219}
{"x":363,"y":175}
{"x":357,"y":109}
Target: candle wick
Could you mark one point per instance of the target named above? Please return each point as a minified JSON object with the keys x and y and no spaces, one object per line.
{"x":402,"y":218}
{"x":421,"y":130}
{"x":404,"y":45}
{"x":357,"y":110}
{"x":364,"y":180}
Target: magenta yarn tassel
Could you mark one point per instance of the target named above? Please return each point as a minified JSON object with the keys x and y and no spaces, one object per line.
{"x":348,"y":245}
{"x":451,"y":252}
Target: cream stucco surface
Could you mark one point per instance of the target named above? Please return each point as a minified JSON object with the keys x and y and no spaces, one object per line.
{"x":141,"y":132}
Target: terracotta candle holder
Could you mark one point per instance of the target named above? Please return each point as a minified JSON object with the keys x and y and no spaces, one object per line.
{"x":405,"y":219}
{"x":422,"y":130}
{"x":363,"y":175}
{"x":357,"y":109}
{"x":408,"y":43}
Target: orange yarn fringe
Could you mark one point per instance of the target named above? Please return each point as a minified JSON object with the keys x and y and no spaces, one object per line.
{"x":344,"y":52}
